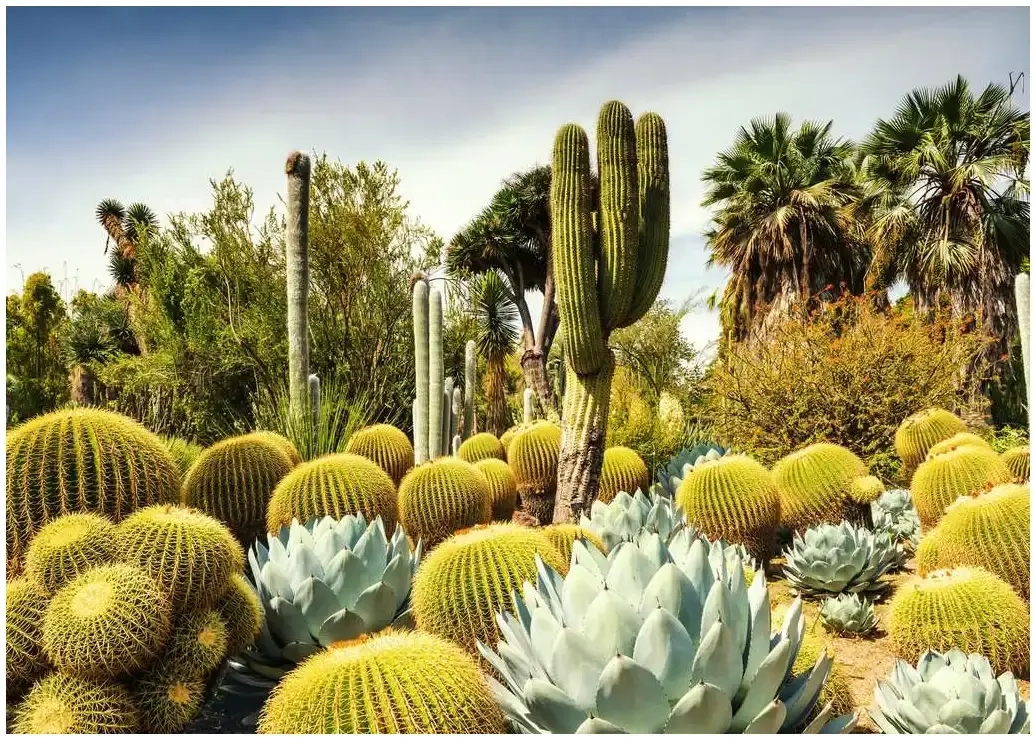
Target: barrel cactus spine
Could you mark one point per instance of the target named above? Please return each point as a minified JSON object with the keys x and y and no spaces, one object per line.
{"x":503,"y":487}
{"x":1018,"y":461}
{"x":168,"y":699}
{"x":298,"y":170}
{"x":63,"y":703}
{"x":919,"y":432}
{"x":242,"y":613}
{"x":815,"y":485}
{"x":533,"y":455}
{"x":25,"y":606}
{"x":598,"y":295}
{"x":966,"y":471}
{"x":280,"y":442}
{"x":197,"y":645}
{"x":441,"y":497}
{"x":481,"y":446}
{"x":623,"y":470}
{"x":82,"y":460}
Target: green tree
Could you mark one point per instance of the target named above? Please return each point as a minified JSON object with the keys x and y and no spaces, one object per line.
{"x":496,"y":321}
{"x":36,"y":379}
{"x":512,"y":236}
{"x":783,"y":222}
{"x":949,"y":204}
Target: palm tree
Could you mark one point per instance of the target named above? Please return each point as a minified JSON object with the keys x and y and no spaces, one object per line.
{"x":783,"y":226}
{"x":126,"y":228}
{"x":496,"y":320}
{"x":512,"y":236}
{"x":948,"y":202}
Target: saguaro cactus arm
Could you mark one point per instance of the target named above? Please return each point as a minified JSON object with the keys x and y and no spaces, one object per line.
{"x":436,"y":374}
{"x":315,"y":397}
{"x":298,"y":169}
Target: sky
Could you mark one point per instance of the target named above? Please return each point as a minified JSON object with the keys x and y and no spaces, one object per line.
{"x":150,"y":104}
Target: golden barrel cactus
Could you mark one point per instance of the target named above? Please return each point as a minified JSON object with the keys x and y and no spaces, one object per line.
{"x":442,"y":496}
{"x":919,"y":432}
{"x":623,"y":470}
{"x":481,"y":446}
{"x":815,"y":485}
{"x":242,"y":613}
{"x":234,"y":480}
{"x":733,"y":498}
{"x":82,"y":460}
{"x":966,"y":471}
{"x":958,"y":440}
{"x":965,"y":608}
{"x":281,"y":442}
{"x":562,"y":537}
{"x":533,"y":455}
{"x":393,"y":682}
{"x":1018,"y":461}
{"x":465,"y":580}
{"x":168,"y":699}
{"x":66,"y":704}
{"x":503,"y":486}
{"x":333,"y":486}
{"x":385,"y":445}
{"x":26,"y":604}
{"x":68,"y":546}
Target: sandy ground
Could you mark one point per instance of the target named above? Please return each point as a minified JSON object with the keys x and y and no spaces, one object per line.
{"x":862,"y":660}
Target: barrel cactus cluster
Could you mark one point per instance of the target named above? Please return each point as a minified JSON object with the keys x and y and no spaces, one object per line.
{"x":120,"y":627}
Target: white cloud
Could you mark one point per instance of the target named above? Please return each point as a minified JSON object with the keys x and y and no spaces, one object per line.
{"x":705,"y":77}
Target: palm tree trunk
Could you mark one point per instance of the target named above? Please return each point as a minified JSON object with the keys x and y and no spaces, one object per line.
{"x":495,"y":396}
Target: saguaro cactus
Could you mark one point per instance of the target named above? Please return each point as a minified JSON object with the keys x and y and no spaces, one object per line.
{"x":421,"y":406}
{"x":529,"y":406}
{"x":298,"y":170}
{"x":315,"y":397}
{"x":608,"y":271}
{"x":469,"y":379}
{"x":1023,"y":317}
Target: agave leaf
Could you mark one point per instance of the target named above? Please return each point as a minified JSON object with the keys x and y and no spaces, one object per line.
{"x":760,"y":628}
{"x":576,"y":664}
{"x":377,"y":606}
{"x":665,"y":649}
{"x":341,"y":627}
{"x":595,"y":725}
{"x":611,"y":624}
{"x":519,"y":638}
{"x":501,"y":667}
{"x":404,"y":621}
{"x":300,"y":538}
{"x":296,"y":652}
{"x":549,"y":585}
{"x":277,"y":553}
{"x":326,"y":545}
{"x":802,"y":701}
{"x":344,"y":575}
{"x":551,"y":708}
{"x":372,"y":550}
{"x":286,"y":621}
{"x":960,"y":715}
{"x":590,"y":557}
{"x":397,"y":575}
{"x":629,"y":573}
{"x":519,"y":665}
{"x":275,"y":582}
{"x":316,"y":602}
{"x":769,"y":721}
{"x":669,"y":588}
{"x":580,"y":589}
{"x":705,"y":709}
{"x":544,"y":631}
{"x":841,"y":725}
{"x":512,"y":707}
{"x":765,"y":686}
{"x":630,"y":698}
{"x":718,"y":662}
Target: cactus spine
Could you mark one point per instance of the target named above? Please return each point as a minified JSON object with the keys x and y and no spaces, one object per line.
{"x":436,"y":375}
{"x":298,"y":171}
{"x":421,"y":405}
{"x":1023,"y":318}
{"x":598,"y":295}
{"x":469,"y":379}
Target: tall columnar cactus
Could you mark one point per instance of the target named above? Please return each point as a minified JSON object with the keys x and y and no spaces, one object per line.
{"x":469,"y":380}
{"x":529,"y":406}
{"x":315,"y":397}
{"x":298,"y":172}
{"x":455,"y":436}
{"x":436,"y":375}
{"x":421,"y":406}
{"x":608,"y":271}
{"x":1023,"y":318}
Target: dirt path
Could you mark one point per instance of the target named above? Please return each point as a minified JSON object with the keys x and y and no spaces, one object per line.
{"x":862,"y":660}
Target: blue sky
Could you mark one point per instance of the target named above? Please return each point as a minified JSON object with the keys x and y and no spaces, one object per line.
{"x":150,"y":104}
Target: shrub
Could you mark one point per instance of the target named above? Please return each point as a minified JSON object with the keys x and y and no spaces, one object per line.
{"x":848,"y":375}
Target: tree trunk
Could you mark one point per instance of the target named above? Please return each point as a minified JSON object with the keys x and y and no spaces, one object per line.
{"x":533,"y":364}
{"x":586,"y":403}
{"x":83,"y":386}
{"x":495,"y":397}
{"x":298,"y":172}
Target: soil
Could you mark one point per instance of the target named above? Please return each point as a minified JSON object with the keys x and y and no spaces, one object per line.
{"x":863,"y":660}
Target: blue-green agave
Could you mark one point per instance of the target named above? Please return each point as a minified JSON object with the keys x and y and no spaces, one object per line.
{"x":319,"y":583}
{"x":950,"y":693}
{"x":894,"y":512}
{"x":848,"y":614}
{"x":670,"y":476}
{"x":652,"y":639}
{"x":834,"y":559}
{"x":625,"y":517}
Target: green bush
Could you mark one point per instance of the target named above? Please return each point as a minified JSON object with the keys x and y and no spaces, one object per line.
{"x":847,"y":375}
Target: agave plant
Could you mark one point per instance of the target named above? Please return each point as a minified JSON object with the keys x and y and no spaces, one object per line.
{"x":894,"y":511}
{"x":322,"y":582}
{"x":625,"y":517}
{"x":670,"y":476}
{"x":953,"y":693}
{"x":652,"y":639}
{"x":834,"y":559}
{"x":848,"y":614}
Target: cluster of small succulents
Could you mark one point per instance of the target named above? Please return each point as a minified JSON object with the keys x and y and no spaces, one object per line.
{"x":848,"y":614}
{"x":834,"y":559}
{"x":120,"y":627}
{"x":894,"y":512}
